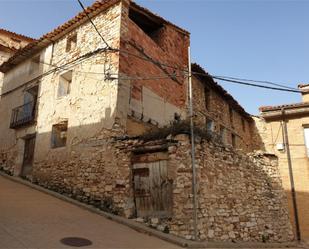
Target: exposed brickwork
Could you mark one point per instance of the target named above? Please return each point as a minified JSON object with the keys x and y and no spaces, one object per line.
{"x":219,"y":112}
{"x":169,"y":46}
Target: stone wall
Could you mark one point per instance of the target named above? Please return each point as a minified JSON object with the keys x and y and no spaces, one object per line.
{"x":240,"y":197}
{"x":95,"y":171}
{"x":89,"y":106}
{"x":271,"y":133}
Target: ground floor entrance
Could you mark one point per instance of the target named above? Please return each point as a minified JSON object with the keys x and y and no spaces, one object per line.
{"x":28,"y":155}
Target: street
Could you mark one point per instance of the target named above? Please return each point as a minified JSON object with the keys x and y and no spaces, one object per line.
{"x":32,"y":219}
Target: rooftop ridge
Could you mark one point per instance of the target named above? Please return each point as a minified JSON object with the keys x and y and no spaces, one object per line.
{"x":16,"y":34}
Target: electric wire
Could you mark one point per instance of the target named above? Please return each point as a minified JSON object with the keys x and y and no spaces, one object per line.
{"x":256,"y":85}
{"x":77,"y":60}
{"x":257,"y":81}
{"x":95,"y":27}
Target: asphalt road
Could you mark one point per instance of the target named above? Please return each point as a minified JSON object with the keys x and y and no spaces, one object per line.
{"x":32,"y":219}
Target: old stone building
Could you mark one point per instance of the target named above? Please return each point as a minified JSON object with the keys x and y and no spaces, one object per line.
{"x":271,"y":126}
{"x":10,"y":42}
{"x":220,"y":113}
{"x":105,"y":122}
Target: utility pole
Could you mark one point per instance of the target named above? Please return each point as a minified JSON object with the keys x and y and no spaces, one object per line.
{"x":194,"y":192}
{"x":288,"y":153}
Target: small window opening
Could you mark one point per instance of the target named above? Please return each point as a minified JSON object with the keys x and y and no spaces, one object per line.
{"x":59,"y":134}
{"x":243,"y":123}
{"x":150,"y":25}
{"x":64,"y":86}
{"x":207,"y":98}
{"x":71,"y":42}
{"x":222,"y":134}
{"x":233,"y":140}
{"x":306,"y":133}
{"x":209,"y":125}
{"x":34,"y":65}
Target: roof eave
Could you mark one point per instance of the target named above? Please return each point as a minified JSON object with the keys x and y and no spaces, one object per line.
{"x":220,"y":90}
{"x":23,"y":54}
{"x":277,"y":113}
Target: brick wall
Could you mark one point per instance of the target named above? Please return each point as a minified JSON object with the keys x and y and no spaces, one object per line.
{"x":169,"y":46}
{"x":219,"y":112}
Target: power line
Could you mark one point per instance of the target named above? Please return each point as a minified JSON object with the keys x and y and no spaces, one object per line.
{"x":255,"y":85}
{"x":77,"y":60}
{"x":95,"y":27}
{"x":257,"y":81}
{"x":281,"y":88}
{"x":146,"y":57}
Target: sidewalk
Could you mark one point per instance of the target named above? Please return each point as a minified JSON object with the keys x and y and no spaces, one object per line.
{"x":13,"y":190}
{"x":32,"y":219}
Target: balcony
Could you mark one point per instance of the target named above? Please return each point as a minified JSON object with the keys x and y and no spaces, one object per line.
{"x":23,"y":115}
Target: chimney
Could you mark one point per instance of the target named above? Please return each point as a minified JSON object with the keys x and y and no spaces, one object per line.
{"x":305,"y":91}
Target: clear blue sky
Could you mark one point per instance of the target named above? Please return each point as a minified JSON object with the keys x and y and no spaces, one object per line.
{"x":255,"y":39}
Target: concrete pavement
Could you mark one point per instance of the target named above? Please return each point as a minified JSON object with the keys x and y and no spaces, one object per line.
{"x":32,"y":219}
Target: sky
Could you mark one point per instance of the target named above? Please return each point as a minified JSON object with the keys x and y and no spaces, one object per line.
{"x":252,"y":39}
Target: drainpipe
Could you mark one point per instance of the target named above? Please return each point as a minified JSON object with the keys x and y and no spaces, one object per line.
{"x":194,"y":190}
{"x":293,"y":192}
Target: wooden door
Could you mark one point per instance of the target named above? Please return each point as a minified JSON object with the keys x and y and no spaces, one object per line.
{"x":28,"y":156}
{"x":152,"y":189}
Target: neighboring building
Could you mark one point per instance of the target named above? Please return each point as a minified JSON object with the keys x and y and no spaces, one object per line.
{"x":220,"y":113}
{"x":73,"y":112}
{"x":271,"y":129}
{"x":10,"y":42}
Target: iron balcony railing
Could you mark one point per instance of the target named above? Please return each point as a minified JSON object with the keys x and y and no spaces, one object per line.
{"x":23,"y":115}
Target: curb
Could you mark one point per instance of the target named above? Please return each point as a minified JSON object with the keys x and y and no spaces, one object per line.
{"x":142,"y":228}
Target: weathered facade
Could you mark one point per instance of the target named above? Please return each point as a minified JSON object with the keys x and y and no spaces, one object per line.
{"x":271,"y":125}
{"x":220,"y":113}
{"x":10,"y":42}
{"x":75,"y":110}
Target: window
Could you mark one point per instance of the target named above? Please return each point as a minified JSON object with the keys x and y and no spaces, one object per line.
{"x":25,"y":114}
{"x":233,"y":140}
{"x":59,"y":134}
{"x":231,"y":115}
{"x":151,"y":26}
{"x":209,"y":125}
{"x":306,"y":133}
{"x":243,"y":123}
{"x":64,"y":86}
{"x":71,"y":42}
{"x":207,"y":98}
{"x":34,"y":65}
{"x":30,"y":99}
{"x":222,"y":134}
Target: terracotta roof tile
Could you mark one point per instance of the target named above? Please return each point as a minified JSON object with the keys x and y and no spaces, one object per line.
{"x":17,"y":35}
{"x":43,"y":41}
{"x":279,"y":107}
{"x":220,"y":90}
